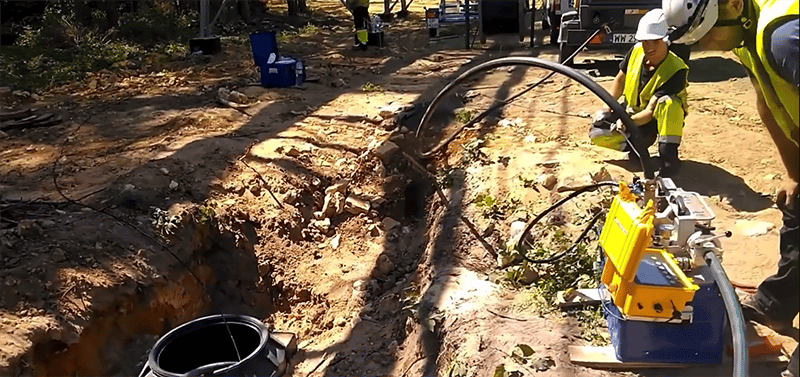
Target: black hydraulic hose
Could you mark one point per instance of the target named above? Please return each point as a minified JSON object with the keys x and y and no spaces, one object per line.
{"x":568,"y":250}
{"x":735,"y":316}
{"x":567,"y":198}
{"x":498,"y":105}
{"x":582,"y":79}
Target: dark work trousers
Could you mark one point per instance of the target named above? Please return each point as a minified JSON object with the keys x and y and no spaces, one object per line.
{"x":360,"y":20}
{"x":649,"y":132}
{"x":778,"y":296}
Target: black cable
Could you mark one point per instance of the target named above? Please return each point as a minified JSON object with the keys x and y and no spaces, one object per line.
{"x":500,"y":104}
{"x":582,"y":79}
{"x":568,"y":250}
{"x":567,"y":198}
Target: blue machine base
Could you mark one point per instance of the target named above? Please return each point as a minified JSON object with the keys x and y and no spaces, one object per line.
{"x":698,"y":342}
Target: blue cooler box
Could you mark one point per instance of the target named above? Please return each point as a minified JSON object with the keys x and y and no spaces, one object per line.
{"x":282,"y":71}
{"x":698,"y":342}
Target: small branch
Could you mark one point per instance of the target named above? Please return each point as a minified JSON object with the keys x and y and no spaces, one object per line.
{"x":260,"y":177}
{"x":412,"y":365}
{"x":505,"y":316}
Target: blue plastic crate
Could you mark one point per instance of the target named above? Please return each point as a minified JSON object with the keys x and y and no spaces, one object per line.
{"x":283,"y":73}
{"x":698,"y":342}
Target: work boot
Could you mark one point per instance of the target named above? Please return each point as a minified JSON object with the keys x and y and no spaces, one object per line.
{"x":752,"y":311}
{"x":670,"y":163}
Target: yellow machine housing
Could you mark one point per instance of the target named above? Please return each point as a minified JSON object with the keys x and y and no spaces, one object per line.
{"x":625,"y":239}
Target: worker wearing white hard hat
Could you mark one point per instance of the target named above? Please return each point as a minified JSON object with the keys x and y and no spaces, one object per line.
{"x":765,"y":36}
{"x":652,"y":84}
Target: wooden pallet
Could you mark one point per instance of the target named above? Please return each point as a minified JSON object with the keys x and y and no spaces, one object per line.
{"x":605,"y":358}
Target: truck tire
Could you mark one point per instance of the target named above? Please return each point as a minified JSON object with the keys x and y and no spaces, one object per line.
{"x":564,"y":51}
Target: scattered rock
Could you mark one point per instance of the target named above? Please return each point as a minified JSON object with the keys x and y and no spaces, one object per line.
{"x":771,"y":177}
{"x":291,"y":196}
{"x":238,"y":97}
{"x":3,"y":135}
{"x":323,"y":225}
{"x":529,"y":275}
{"x":385,"y":150}
{"x":530,"y":139}
{"x":93,"y":84}
{"x":754,"y":228}
{"x":488,"y":230}
{"x":601,"y":175}
{"x":391,"y":110}
{"x":254,"y":91}
{"x":359,"y":285}
{"x":356,"y":205}
{"x":35,"y":97}
{"x":335,"y":241}
{"x":28,"y":228}
{"x":58,"y":255}
{"x":548,"y":164}
{"x":333,"y":204}
{"x":574,"y":182}
{"x":404,"y":130}
{"x":340,"y":186}
{"x":340,"y":321}
{"x":164,"y":171}
{"x":542,"y":364}
{"x":47,"y":224}
{"x":384,"y":266}
{"x":506,"y":123}
{"x":389,"y":124}
{"x":547,"y":180}
{"x":290,"y":151}
{"x":374,"y":230}
{"x":471,"y":94}
{"x":390,"y":223}
{"x":393,"y":348}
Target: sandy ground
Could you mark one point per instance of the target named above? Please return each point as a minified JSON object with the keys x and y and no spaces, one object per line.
{"x":83,"y":293}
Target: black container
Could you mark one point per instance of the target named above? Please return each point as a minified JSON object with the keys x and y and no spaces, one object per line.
{"x":204,"y":347}
{"x":375,"y":39}
{"x":500,"y":17}
{"x":208,"y":46}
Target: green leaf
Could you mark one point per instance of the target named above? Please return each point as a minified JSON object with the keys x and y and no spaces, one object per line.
{"x":500,"y":371}
{"x":527,"y":351}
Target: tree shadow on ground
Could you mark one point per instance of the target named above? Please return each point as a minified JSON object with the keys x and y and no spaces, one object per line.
{"x":710,"y":180}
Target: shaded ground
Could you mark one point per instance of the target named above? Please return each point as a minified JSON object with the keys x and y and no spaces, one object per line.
{"x":82,"y":291}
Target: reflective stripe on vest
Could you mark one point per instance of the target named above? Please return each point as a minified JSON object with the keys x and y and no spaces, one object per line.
{"x":780,"y":95}
{"x":638,"y":99}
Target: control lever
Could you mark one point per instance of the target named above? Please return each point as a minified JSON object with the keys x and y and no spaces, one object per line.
{"x":700,"y":240}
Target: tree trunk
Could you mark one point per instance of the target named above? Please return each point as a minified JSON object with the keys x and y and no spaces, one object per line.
{"x":293,"y":8}
{"x":244,"y":10}
{"x":112,"y":13}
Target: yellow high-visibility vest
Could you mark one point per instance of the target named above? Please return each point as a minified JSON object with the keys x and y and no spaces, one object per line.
{"x":637,"y":98}
{"x":780,"y":95}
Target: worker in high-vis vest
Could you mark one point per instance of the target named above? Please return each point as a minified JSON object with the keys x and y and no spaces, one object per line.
{"x":360,"y":11}
{"x":763,"y":34}
{"x":652,"y":83}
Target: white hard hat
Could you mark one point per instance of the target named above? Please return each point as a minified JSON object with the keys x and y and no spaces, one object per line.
{"x":653,"y":25}
{"x":691,"y":19}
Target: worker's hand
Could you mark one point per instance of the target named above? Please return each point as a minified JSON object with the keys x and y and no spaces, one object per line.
{"x":618,"y":126}
{"x":786,"y":198}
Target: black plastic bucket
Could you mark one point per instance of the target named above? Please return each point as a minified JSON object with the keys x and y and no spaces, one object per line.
{"x":205,"y":347}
